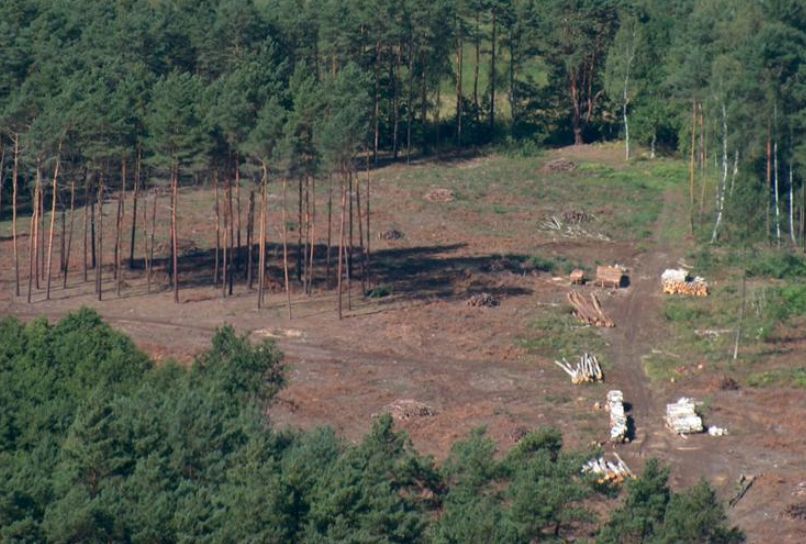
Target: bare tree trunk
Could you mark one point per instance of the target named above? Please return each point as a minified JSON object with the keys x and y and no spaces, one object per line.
{"x":410,"y":106}
{"x":459,"y":58}
{"x":396,"y":81}
{"x":135,"y":197}
{"x":361,"y":254}
{"x":777,"y":204}
{"x":342,"y":221}
{"x":224,"y":261}
{"x":367,"y":249}
{"x":14,"y":173}
{"x":230,"y":280}
{"x":493,"y":40}
{"x":152,"y":240}
{"x":691,"y":168}
{"x":312,"y":260}
{"x":720,"y":190}
{"x":237,"y":254}
{"x":100,"y":263}
{"x":791,"y":207}
{"x":174,"y":241}
{"x":62,"y":237}
{"x":377,"y":109}
{"x":250,"y":227}
{"x":285,"y":249}
{"x":94,"y":259}
{"x":119,"y":227}
{"x":261,"y":274}
{"x":349,"y":251}
{"x":87,"y":182}
{"x":53,"y":220}
{"x":769,"y":179}
{"x":702,"y":163}
{"x":329,"y":227}
{"x":32,"y":235}
{"x":40,"y":257}
{"x":36,"y":214}
{"x":69,"y":234}
{"x":307,"y":235}
{"x":299,"y":230}
{"x":477,"y":64}
{"x":217,"y":229}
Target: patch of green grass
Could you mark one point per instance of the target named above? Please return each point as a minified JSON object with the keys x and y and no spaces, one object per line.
{"x":787,"y":377}
{"x":556,"y":334}
{"x":660,"y":366}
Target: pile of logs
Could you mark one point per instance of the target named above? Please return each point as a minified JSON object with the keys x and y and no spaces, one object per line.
{"x":612,"y":276}
{"x":587,"y":369}
{"x":682,"y":418}
{"x":577,"y":276}
{"x":608,"y":471}
{"x":480,"y":300}
{"x":678,"y":282}
{"x":618,"y":419}
{"x":589,"y":310}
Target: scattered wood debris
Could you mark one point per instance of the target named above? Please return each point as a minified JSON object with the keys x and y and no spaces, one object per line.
{"x":614,"y":276}
{"x":482,"y":300}
{"x":577,"y":276}
{"x":440,"y":195}
{"x":682,"y":417}
{"x":618,"y":418}
{"x":587,"y":369}
{"x":405,"y":409}
{"x":559,"y":165}
{"x":570,"y":229}
{"x":676,"y":281}
{"x":608,"y":471}
{"x":576,"y":216}
{"x":796,"y":511}
{"x":589,"y":310}
{"x":742,"y":486}
{"x":391,"y":234}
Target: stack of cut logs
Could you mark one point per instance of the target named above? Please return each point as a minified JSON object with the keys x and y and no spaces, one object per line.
{"x":587,"y":369}
{"x":589,"y":311}
{"x":682,"y":418}
{"x":678,"y":282}
{"x":610,"y":275}
{"x":618,"y":419}
{"x":608,"y":471}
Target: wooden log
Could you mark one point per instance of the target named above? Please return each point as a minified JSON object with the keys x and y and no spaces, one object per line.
{"x":589,"y":310}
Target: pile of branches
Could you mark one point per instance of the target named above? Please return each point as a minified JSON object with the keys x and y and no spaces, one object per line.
{"x":391,"y":234}
{"x":570,"y":229}
{"x":587,"y":369}
{"x":618,"y":418}
{"x":589,"y":310}
{"x":480,"y":300}
{"x":405,"y":409}
{"x":440,"y":195}
{"x":559,"y":165}
{"x":608,"y":471}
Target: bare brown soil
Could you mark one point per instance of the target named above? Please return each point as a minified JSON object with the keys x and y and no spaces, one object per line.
{"x":424,"y":343}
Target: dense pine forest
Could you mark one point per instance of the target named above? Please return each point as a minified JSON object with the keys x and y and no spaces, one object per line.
{"x":97,"y":444}
{"x":139,"y":99}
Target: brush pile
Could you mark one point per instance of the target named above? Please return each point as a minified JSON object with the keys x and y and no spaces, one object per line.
{"x":558,"y":165}
{"x":482,"y":300}
{"x":608,"y":471}
{"x":678,"y":282}
{"x":589,"y":311}
{"x":682,"y":417}
{"x":587,"y":369}
{"x":405,"y":409}
{"x":440,"y":195}
{"x":618,"y":418}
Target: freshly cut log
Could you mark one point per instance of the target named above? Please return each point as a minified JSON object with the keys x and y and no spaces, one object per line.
{"x":609,"y":471}
{"x":682,"y":418}
{"x":618,"y":419}
{"x":612,"y":276}
{"x":587,"y":369}
{"x":589,"y":310}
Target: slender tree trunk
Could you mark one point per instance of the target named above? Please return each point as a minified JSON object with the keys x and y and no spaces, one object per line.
{"x":37,"y":213}
{"x":349,"y":250}
{"x":217,"y":230}
{"x":769,"y":178}
{"x":237,"y":254}
{"x":174,"y":241}
{"x":69,"y":234}
{"x":32,"y":236}
{"x":477,"y":64}
{"x":396,"y":96}
{"x":577,"y":114}
{"x":87,"y":192}
{"x":742,"y":311}
{"x":300,"y":224}
{"x":340,"y":267}
{"x":459,"y":58}
{"x":261,"y":279}
{"x":377,"y":109}
{"x":100,"y":263}
{"x":119,"y":228}
{"x":367,"y":249}
{"x":285,"y":249}
{"x":135,"y":197}
{"x":702,"y":164}
{"x":776,"y":191}
{"x":361,"y":254}
{"x":307,"y":234}
{"x":720,"y":192}
{"x":231,"y":262}
{"x":94,"y":257}
{"x":792,"y":207}
{"x":493,"y":40}
{"x":152,"y":240}
{"x":512,"y":107}
{"x":225,"y":255}
{"x":312,"y":260}
{"x":14,"y":174}
{"x":41,"y":231}
{"x":62,"y":236}
{"x":410,"y":106}
{"x":329,"y":227}
{"x":250,"y":227}
{"x":691,"y":167}
{"x":423,"y":104}
{"x":54,"y":198}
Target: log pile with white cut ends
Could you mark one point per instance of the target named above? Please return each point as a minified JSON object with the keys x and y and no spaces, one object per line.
{"x":587,"y":370}
{"x":618,"y":418}
{"x":608,"y":471}
{"x":682,"y":417}
{"x":612,"y":276}
{"x":589,"y":310}
{"x":678,"y":282}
